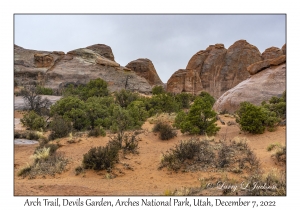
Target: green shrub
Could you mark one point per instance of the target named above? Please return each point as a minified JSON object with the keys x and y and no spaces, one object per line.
{"x":255,"y":119}
{"x":138,"y":112}
{"x":122,"y":120}
{"x":79,"y":119}
{"x":97,"y":87}
{"x":180,"y":117}
{"x":33,"y":121}
{"x":97,"y":131}
{"x":59,"y":127}
{"x":165,"y":130}
{"x":66,"y":104}
{"x":72,"y":109}
{"x":184,"y":100}
{"x":44,"y":91}
{"x":158,"y":89}
{"x":99,"y":111}
{"x":200,"y":118}
{"x":72,"y":90}
{"x":277,"y":105}
{"x":100,"y":158}
{"x":251,"y":118}
{"x":125,"y":97}
{"x":207,"y":97}
{"x":163,"y":103}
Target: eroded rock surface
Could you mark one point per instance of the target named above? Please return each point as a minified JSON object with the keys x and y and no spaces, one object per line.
{"x":272,"y":52}
{"x":102,"y":50}
{"x":261,"y":65}
{"x":185,"y":80}
{"x":56,"y":69}
{"x":217,"y":68}
{"x":145,"y":68}
{"x":259,"y":87}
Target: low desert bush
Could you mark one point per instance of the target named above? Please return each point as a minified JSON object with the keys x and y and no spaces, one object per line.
{"x":97,"y":131}
{"x":224,"y":155}
{"x":166,"y":132}
{"x":59,"y":127}
{"x":195,"y":154}
{"x":30,"y":135}
{"x":79,"y":170}
{"x":130,"y":144}
{"x":25,"y":170}
{"x":273,"y":146}
{"x":33,"y":121}
{"x":280,"y":154}
{"x":44,"y":143}
{"x":126,"y":142}
{"x":44,"y":166}
{"x":100,"y":158}
{"x":44,"y":91}
{"x":192,"y":149}
{"x":41,"y":154}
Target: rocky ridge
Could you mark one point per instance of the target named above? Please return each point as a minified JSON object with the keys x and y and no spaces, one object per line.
{"x":56,"y":69}
{"x":217,"y":69}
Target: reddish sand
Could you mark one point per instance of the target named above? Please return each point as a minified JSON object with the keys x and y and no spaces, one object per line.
{"x":142,"y":177}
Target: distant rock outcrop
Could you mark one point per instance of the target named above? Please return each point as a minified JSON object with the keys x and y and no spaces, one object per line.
{"x":261,"y":65}
{"x":217,"y":69}
{"x":264,"y":84}
{"x":272,"y":52}
{"x":185,"y":80}
{"x":56,"y":69}
{"x":145,"y":68}
{"x":102,"y":50}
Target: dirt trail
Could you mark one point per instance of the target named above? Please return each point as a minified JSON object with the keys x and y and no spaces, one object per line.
{"x":137,"y":174}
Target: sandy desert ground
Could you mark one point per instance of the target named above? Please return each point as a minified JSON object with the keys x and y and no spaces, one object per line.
{"x":136,"y":174}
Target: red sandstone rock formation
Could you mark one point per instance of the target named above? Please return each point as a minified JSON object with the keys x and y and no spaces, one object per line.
{"x":185,"y":80}
{"x":272,"y":52}
{"x":218,"y":69}
{"x":145,"y":68}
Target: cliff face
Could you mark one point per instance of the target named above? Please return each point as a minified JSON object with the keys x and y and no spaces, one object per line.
{"x":56,"y":69}
{"x":217,"y":69}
